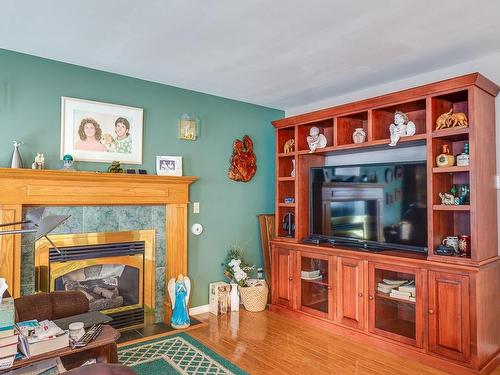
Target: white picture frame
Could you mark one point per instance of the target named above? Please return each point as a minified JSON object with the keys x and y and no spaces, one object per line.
{"x":120,"y":129}
{"x":169,"y":165}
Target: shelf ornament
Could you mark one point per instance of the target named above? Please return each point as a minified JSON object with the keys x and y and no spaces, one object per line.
{"x":452,"y":120}
{"x":288,"y":147}
{"x":243,"y":163}
{"x":315,"y":139}
{"x":445,"y":159}
{"x":179,"y":291}
{"x":402,"y":127}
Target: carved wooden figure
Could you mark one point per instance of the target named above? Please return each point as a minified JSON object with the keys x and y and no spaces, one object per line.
{"x":243,"y":163}
{"x":451,"y":120}
{"x":288,"y":146}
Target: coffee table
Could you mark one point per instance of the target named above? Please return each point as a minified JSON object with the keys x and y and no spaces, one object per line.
{"x":103,"y":348}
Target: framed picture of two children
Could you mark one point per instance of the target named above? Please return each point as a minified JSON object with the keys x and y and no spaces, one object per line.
{"x":101,"y":132}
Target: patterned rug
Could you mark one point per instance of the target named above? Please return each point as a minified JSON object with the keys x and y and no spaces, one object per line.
{"x":176,"y":354}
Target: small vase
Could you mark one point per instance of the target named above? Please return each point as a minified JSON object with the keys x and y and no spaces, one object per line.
{"x":359,"y":135}
{"x":16,"y":161}
{"x":235,"y":298}
{"x":292,"y":174}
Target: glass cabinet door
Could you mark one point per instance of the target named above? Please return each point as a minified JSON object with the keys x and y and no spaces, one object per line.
{"x":395,"y":303}
{"x":315,"y":286}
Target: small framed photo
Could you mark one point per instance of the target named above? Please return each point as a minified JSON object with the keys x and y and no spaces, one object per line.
{"x":169,"y":165}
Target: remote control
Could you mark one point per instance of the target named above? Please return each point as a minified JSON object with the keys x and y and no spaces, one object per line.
{"x":89,"y":336}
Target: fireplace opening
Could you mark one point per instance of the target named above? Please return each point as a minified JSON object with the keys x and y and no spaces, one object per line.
{"x":106,"y":286}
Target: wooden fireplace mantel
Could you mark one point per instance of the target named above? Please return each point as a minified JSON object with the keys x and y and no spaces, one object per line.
{"x":26,"y":187}
{"x":45,"y":187}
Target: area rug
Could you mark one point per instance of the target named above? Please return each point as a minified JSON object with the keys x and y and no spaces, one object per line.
{"x":176,"y":354}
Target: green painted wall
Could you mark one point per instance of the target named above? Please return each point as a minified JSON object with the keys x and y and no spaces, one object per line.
{"x":30,"y":95}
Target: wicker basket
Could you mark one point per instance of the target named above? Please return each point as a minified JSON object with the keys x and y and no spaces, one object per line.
{"x":254,"y":298}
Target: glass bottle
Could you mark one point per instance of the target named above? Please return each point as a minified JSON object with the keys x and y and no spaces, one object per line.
{"x":464,"y":159}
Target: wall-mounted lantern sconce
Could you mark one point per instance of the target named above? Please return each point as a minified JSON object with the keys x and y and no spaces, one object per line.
{"x":189,"y":127}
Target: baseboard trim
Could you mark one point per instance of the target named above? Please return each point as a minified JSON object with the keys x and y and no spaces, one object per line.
{"x":199,"y":310}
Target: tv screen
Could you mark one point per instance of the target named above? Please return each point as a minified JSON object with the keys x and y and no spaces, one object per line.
{"x":383,"y":205}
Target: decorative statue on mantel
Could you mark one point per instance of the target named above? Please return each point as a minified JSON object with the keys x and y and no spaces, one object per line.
{"x":179,"y":291}
{"x":402,"y":127}
{"x":315,"y":140}
{"x":39,"y":162}
{"x":115,"y":167}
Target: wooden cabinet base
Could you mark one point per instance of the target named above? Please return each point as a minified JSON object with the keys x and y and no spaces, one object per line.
{"x":419,"y":355}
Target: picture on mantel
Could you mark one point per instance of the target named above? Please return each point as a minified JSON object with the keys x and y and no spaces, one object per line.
{"x":101,"y":132}
{"x":243,"y":163}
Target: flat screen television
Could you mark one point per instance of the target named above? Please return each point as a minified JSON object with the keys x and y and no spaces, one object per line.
{"x":370,"y":206}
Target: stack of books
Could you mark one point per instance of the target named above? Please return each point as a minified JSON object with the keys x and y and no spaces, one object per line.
{"x":36,"y":338}
{"x":8,"y":336}
{"x":387,"y":285}
{"x":405,"y":292}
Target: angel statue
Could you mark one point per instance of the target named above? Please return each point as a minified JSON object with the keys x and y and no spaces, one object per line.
{"x":402,"y":127}
{"x":179,"y":291}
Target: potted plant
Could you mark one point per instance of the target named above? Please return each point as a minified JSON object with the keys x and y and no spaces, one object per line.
{"x":236,"y":271}
{"x":253,"y":292}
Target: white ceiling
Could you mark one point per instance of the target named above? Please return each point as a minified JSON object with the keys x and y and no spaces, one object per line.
{"x":277,"y":53}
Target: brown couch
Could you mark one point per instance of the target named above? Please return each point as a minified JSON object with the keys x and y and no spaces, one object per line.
{"x":51,"y":306}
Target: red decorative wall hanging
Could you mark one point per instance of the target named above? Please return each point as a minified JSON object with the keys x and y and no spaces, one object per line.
{"x":243,"y":163}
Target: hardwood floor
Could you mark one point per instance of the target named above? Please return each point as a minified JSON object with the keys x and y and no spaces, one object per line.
{"x":269,"y":343}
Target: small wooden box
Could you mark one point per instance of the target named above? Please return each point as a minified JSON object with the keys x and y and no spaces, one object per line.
{"x":220,"y":298}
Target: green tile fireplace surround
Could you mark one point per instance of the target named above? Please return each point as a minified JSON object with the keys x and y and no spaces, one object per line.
{"x":88,"y":219}
{"x":30,"y":106}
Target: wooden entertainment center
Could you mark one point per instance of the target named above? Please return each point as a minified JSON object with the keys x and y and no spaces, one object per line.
{"x":454,"y":322}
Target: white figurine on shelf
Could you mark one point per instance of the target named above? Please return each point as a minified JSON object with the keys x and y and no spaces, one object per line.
{"x":402,"y":127}
{"x":315,"y":140}
{"x":39,"y":162}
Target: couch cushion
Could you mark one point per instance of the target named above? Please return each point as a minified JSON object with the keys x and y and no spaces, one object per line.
{"x":68,"y":303}
{"x":37,"y":306}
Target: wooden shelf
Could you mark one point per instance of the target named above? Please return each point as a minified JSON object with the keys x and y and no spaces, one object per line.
{"x":454,"y":169}
{"x":444,"y":207}
{"x":285,"y":239}
{"x":319,"y":306}
{"x":400,"y":327}
{"x":412,"y":138}
{"x":286,"y":155}
{"x":388,"y":297}
{"x":286,"y":178}
{"x":375,"y":143}
{"x":457,"y":260}
{"x":318,"y":282}
{"x":286,"y":204}
{"x":452,"y":134}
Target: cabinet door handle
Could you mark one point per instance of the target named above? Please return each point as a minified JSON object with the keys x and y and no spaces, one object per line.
{"x":329,"y":287}
{"x":290,"y":278}
{"x":431,"y":311}
{"x":360,"y":294}
{"x":370,"y":297}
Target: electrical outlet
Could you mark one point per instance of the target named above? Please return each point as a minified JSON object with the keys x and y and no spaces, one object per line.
{"x":196,"y":207}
